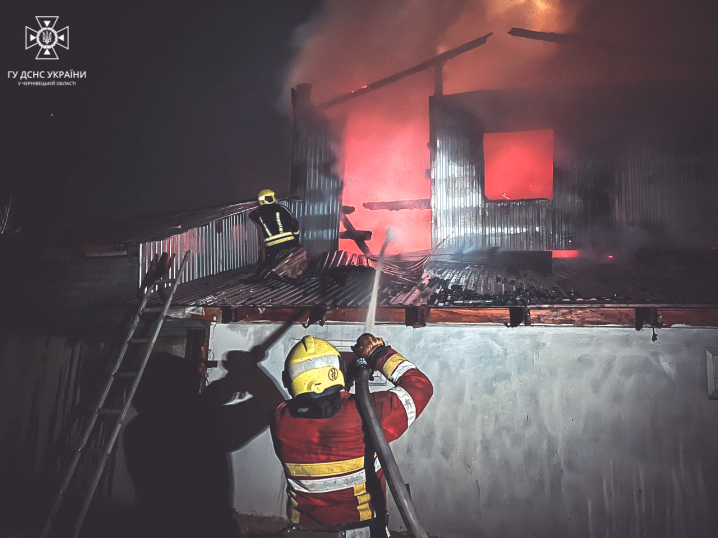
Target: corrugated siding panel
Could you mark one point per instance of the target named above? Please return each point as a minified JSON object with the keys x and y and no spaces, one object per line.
{"x":221,"y":245}
{"x":638,"y":191}
{"x":664,"y":191}
{"x":624,"y":197}
{"x":455,"y":190}
{"x":315,"y":180}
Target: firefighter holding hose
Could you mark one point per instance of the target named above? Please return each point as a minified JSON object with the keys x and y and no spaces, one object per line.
{"x":335,"y":484}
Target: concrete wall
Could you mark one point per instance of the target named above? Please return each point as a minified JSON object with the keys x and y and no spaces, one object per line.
{"x":547,"y":432}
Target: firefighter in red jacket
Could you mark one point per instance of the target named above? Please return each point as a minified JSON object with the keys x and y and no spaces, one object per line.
{"x":333,"y":479}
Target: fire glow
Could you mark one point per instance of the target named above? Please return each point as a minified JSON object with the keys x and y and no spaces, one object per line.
{"x":562,"y":254}
{"x":518,"y":165}
{"x":383,"y":159}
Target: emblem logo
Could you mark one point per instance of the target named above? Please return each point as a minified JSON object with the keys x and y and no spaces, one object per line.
{"x":47,"y":38}
{"x":333,"y":374}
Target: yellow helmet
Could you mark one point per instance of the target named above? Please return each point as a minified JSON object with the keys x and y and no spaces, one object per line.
{"x":313,"y":367}
{"x":266,"y":196}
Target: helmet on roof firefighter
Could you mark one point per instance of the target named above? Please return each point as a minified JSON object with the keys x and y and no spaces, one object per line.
{"x":266,"y":196}
{"x":313,"y":367}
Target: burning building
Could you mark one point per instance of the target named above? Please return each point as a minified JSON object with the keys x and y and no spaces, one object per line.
{"x":554,"y":276}
{"x":575,"y":167}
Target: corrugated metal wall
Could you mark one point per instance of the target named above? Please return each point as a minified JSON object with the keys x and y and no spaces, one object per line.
{"x":232,"y":242}
{"x":461,"y":216}
{"x":315,"y":180}
{"x":632,"y":195}
{"x":221,"y":245}
{"x":455,"y":190}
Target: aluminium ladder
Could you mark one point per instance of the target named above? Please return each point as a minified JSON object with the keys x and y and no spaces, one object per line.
{"x":121,"y":372}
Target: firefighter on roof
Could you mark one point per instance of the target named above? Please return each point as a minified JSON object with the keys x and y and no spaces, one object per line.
{"x":279,"y":227}
{"x":333,"y":479}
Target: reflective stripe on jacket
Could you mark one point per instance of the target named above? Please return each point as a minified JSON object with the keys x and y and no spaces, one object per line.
{"x":330,"y":478}
{"x":277,"y":223}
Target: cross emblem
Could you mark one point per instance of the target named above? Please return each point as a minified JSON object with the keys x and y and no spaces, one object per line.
{"x":46,"y":38}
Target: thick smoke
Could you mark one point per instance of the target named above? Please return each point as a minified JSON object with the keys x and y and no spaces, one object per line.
{"x":352,"y":43}
{"x":384,"y":154}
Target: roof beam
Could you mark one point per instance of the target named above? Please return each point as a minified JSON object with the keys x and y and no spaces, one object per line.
{"x":432,"y":62}
{"x":399,"y":205}
{"x":563,"y":39}
{"x":358,"y":236}
{"x":579,"y":41}
{"x":580,"y":316}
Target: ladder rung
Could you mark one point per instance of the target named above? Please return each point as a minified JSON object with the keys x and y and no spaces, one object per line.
{"x":159,"y":286}
{"x":87,"y":450}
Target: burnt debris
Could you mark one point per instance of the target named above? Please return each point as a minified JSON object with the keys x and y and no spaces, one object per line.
{"x":448,"y":294}
{"x":458,"y":295}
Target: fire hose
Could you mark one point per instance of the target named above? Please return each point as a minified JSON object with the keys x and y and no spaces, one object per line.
{"x":386,"y":457}
{"x":406,"y":507}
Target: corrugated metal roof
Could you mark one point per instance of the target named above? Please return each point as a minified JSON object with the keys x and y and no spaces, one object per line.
{"x":573,"y":281}
{"x":241,"y":288}
{"x":159,"y":227}
{"x":343,"y":280}
{"x":338,"y":278}
{"x":405,"y":271}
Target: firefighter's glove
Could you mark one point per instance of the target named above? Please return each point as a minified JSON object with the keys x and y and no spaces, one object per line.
{"x":370,"y":347}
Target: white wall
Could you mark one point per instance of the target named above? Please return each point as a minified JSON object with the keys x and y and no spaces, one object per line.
{"x":547,"y":432}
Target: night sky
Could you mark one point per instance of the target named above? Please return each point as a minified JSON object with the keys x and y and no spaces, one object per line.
{"x":186,"y":104}
{"x":181,"y":108}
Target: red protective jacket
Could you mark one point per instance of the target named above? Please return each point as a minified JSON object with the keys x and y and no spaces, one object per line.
{"x":331,"y":479}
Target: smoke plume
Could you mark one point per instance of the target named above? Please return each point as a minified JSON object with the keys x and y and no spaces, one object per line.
{"x":384,"y":153}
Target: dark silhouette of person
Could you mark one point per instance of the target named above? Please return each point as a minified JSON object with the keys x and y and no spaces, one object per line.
{"x":178,"y":445}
